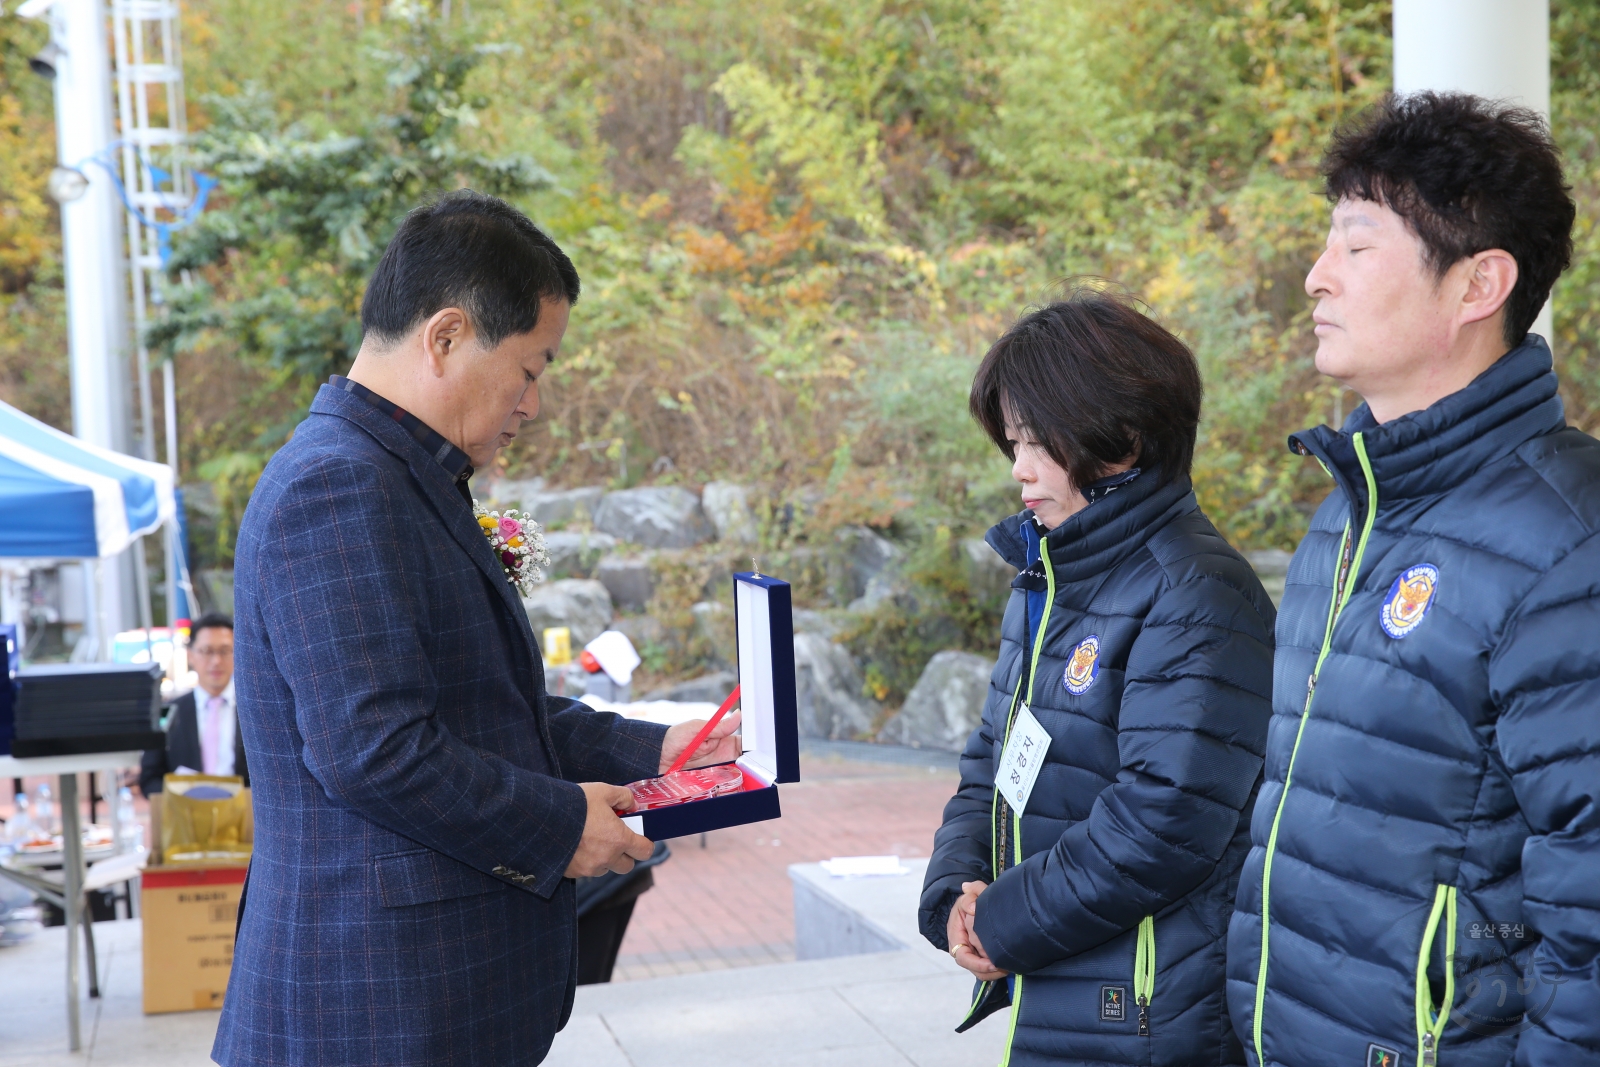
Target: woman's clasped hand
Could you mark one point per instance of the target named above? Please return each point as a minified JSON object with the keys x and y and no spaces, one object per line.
{"x":962,"y":931}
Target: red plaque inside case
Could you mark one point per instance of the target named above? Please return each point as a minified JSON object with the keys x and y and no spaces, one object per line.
{"x":680,"y":787}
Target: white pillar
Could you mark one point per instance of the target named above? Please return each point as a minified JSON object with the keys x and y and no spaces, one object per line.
{"x":96,"y":276}
{"x":13,"y":600}
{"x":1498,"y":49}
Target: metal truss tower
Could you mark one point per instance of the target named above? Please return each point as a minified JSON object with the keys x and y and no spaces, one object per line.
{"x":157,"y":188}
{"x":150,"y":108}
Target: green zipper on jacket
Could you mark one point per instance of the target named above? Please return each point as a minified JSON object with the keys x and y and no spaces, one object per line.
{"x":1016,"y":816}
{"x":1431,"y":1021}
{"x":1344,"y":580}
{"x":1144,"y":972}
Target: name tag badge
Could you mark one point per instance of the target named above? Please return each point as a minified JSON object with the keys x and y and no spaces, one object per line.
{"x":1020,"y":761}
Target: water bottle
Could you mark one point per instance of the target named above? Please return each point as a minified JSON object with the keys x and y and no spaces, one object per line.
{"x":20,"y":825}
{"x":44,"y":810}
{"x":132,"y":830}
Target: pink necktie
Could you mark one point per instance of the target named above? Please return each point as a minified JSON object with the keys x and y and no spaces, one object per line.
{"x":211,"y":734}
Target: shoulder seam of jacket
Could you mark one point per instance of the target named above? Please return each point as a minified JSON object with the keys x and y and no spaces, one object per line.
{"x":1243,"y":594}
{"x":1515,"y":616}
{"x":1561,"y":496}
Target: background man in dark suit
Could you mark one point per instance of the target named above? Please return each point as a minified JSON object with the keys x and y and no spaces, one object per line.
{"x":421,"y":804}
{"x":203,"y":726}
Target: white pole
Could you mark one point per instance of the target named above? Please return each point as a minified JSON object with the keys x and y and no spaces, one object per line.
{"x":97,"y":322}
{"x":13,"y":605}
{"x":169,"y":389}
{"x":1499,"y":49}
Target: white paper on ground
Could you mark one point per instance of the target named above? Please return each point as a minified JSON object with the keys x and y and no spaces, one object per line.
{"x":616,"y":655}
{"x":863,"y":866}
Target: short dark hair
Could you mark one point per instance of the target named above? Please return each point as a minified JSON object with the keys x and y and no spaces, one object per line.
{"x":472,"y":251}
{"x":1467,"y":175}
{"x":211,"y":620}
{"x":1092,"y":380}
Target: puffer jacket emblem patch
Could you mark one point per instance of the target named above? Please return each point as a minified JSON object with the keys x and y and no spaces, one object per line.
{"x":1083,"y":666}
{"x":1409,"y":599}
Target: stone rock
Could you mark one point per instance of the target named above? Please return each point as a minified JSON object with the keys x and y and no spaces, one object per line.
{"x":798,"y":506}
{"x":728,"y":507}
{"x":1272,"y":567}
{"x":580,"y":604}
{"x":884,"y":589}
{"x":803,"y":566}
{"x":568,"y":681}
{"x":828,"y":690}
{"x":628,"y":579}
{"x":989,"y":574}
{"x":645,"y":631}
{"x":862,"y":556}
{"x":817,"y":622}
{"x":562,"y":506}
{"x":719,"y":582}
{"x":574,"y":554}
{"x":573,"y":681}
{"x":656,"y":516}
{"x":945,"y":705}
{"x":511,"y":492}
{"x":890,"y":587}
{"x":710,"y":688}
{"x":713,"y":624}
{"x":1269,"y":561}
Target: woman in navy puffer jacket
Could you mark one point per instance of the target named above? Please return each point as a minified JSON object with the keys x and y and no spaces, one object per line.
{"x":1136,"y":656}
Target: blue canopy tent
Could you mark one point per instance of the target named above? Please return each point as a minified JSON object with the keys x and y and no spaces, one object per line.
{"x":64,"y":499}
{"x":61,"y":498}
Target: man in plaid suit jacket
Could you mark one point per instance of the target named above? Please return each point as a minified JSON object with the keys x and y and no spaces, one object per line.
{"x":417,"y":823}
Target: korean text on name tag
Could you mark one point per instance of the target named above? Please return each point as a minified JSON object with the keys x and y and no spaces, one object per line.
{"x":1023,"y":756}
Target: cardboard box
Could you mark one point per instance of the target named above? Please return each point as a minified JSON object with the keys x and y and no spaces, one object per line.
{"x":189,"y":915}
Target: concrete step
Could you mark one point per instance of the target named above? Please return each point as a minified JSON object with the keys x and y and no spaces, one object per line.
{"x":115,"y":1030}
{"x":888,"y":1008}
{"x":878,"y":994}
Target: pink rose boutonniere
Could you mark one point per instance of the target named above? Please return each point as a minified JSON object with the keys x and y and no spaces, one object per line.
{"x":517,"y":542}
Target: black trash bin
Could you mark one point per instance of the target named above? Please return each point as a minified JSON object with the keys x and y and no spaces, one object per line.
{"x":605,"y":904}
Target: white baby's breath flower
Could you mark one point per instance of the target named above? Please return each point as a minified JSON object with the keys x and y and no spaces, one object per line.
{"x":517,"y":541}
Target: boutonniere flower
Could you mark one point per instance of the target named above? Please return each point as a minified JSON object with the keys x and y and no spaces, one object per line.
{"x":517,"y":542}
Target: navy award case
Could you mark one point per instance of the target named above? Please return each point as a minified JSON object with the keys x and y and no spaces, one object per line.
{"x":764,"y":624}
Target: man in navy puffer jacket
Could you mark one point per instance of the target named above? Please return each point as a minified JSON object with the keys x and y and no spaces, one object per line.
{"x":1424,"y":882}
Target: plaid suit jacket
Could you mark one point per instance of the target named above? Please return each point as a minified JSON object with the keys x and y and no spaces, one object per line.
{"x":414,"y":805}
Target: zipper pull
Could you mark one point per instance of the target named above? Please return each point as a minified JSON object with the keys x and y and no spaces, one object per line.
{"x":1144,"y":1016}
{"x":1428,"y":1058}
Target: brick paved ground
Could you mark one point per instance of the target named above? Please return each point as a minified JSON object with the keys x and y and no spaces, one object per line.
{"x":729,"y":904}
